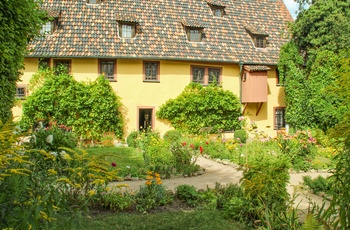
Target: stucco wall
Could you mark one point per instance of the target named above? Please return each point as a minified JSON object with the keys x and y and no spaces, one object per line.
{"x":174,"y":76}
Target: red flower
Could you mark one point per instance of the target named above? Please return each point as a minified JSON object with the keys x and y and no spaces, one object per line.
{"x":114,"y":164}
{"x":207,"y":143}
{"x":192,"y":146}
{"x":200,"y":149}
{"x":184,"y":143}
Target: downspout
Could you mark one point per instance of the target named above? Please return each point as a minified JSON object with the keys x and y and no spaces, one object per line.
{"x":240,"y":64}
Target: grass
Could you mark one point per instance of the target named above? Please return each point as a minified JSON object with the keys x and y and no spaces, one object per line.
{"x":129,"y":160}
{"x":195,"y":219}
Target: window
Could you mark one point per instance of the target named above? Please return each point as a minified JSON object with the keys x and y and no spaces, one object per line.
{"x":146,"y":118}
{"x":218,"y":11}
{"x":260,"y":42}
{"x":127,"y":30}
{"x":44,"y":63}
{"x":194,"y":34}
{"x":93,"y":1}
{"x":62,"y":66}
{"x":48,"y":28}
{"x":151,"y":71}
{"x":21,"y":92}
{"x":206,"y":75}
{"x":107,"y":69}
{"x":279,"y":117}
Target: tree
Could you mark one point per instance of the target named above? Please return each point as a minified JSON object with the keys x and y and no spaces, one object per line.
{"x":198,"y":107}
{"x":20,"y":21}
{"x":308,"y":63}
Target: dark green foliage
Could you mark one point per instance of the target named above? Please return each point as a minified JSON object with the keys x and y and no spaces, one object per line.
{"x":310,"y":61}
{"x":317,"y":185}
{"x":187,"y":194}
{"x":241,"y":134}
{"x":197,"y":107}
{"x":172,"y":135}
{"x":131,"y":139}
{"x":91,"y":109}
{"x":19,"y":22}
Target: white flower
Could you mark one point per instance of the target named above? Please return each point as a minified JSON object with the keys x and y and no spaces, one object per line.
{"x":62,"y":153}
{"x":128,"y":166}
{"x":49,"y":139}
{"x":242,"y":155}
{"x":53,"y":154}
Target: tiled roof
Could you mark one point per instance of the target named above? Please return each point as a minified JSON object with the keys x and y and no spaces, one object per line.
{"x":53,"y":12}
{"x":255,"y":68}
{"x":215,"y":2}
{"x":90,"y":30}
{"x":255,"y":29}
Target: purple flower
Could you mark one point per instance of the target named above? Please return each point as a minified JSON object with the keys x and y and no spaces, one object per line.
{"x":114,"y":164}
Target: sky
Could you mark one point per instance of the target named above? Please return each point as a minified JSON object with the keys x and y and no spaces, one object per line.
{"x":292,"y":7}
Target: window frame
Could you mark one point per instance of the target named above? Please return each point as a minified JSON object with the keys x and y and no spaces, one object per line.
{"x":24,"y":95}
{"x":279,"y":81}
{"x":157,"y":78}
{"x":220,"y":9}
{"x":43,"y":60}
{"x":275,"y":110}
{"x":190,"y":37}
{"x":133,"y":29}
{"x":69,"y":61}
{"x":100,"y":61}
{"x":206,"y":74}
{"x":260,"y":41}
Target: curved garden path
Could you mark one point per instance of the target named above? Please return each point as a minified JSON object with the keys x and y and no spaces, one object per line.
{"x":225,"y":174}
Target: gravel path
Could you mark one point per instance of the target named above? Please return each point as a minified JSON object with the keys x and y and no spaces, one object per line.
{"x":225,"y":174}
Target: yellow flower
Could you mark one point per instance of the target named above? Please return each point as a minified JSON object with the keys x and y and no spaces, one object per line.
{"x":156,"y":175}
{"x":52,"y":172}
{"x":159,"y":182}
{"x":149,"y":173}
{"x":91,"y":193}
{"x":148,"y":182}
{"x":149,"y":177}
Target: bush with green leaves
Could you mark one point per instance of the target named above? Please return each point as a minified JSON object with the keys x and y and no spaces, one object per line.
{"x":317,"y":185}
{"x":187,"y":194}
{"x":172,"y":135}
{"x":198,"y":107}
{"x":91,"y":109}
{"x":240,"y":135}
{"x":131,"y":139}
{"x":153,"y":194}
{"x":264,"y":183}
{"x":299,"y":147}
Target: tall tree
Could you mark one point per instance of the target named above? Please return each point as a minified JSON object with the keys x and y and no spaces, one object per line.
{"x":20,"y":21}
{"x":308,"y":63}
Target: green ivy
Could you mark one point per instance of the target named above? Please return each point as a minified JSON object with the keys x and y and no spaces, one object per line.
{"x":198,"y":107}
{"x":90,"y":108}
{"x":20,"y":21}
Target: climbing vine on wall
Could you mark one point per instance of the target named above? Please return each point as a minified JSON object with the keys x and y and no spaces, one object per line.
{"x":90,"y":108}
{"x":198,"y":107}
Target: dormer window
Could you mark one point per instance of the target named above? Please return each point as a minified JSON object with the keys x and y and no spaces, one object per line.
{"x":93,"y":1}
{"x":194,"y":31}
{"x":127,"y":30}
{"x":260,"y":42}
{"x":52,"y":22}
{"x":218,"y":11}
{"x":194,"y":34}
{"x":259,"y":36}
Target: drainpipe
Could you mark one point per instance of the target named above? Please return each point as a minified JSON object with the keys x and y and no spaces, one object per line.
{"x":240,"y":64}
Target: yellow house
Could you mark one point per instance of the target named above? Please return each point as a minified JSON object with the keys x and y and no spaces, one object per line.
{"x":151,"y":50}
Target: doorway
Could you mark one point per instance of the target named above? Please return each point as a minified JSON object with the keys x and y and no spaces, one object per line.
{"x":145,"y":119}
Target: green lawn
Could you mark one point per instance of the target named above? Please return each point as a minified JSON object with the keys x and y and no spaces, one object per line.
{"x":195,"y":219}
{"x":124,"y":157}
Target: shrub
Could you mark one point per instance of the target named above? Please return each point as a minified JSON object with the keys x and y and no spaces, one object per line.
{"x":197,"y":107}
{"x":131,"y":139}
{"x":187,"y":194}
{"x":172,"y":135}
{"x":52,"y":138}
{"x":153,"y":194}
{"x":317,"y":185}
{"x":240,"y":135}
